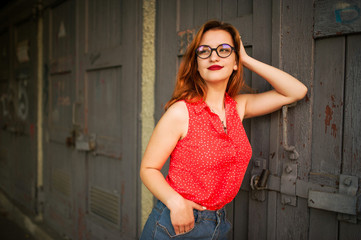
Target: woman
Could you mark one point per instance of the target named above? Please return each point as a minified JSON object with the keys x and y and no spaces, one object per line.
{"x":202,"y":131}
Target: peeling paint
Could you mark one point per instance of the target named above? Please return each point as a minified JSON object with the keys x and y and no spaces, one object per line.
{"x":334,"y":130}
{"x":328,"y":117}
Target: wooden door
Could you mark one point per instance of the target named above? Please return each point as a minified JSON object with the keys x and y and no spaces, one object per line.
{"x":108,"y":111}
{"x":60,"y":176}
{"x":92,"y":101}
{"x":18,"y":87}
{"x":336,"y":131}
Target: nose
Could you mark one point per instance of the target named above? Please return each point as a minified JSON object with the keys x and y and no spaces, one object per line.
{"x":214,"y":56}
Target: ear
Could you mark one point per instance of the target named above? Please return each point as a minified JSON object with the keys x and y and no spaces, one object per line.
{"x":235,"y":67}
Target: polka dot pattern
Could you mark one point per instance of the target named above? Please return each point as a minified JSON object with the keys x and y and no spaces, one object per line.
{"x":207,"y":166}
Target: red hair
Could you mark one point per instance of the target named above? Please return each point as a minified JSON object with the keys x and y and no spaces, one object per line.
{"x":189,"y":85}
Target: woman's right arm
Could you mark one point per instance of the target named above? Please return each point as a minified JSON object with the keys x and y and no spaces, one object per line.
{"x":170,"y":129}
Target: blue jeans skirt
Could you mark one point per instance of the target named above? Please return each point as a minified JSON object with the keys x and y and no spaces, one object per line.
{"x":209,"y":225}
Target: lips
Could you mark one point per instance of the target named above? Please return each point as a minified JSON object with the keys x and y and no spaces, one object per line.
{"x":215,"y":67}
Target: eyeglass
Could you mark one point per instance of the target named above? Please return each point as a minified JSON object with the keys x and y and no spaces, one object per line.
{"x":223,"y":51}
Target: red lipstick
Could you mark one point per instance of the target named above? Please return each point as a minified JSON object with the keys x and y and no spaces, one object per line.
{"x":215,"y":67}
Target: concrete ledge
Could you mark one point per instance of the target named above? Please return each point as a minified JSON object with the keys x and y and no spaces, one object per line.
{"x":20,"y":218}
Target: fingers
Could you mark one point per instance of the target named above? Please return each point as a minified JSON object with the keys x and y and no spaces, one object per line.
{"x":179,"y":229}
{"x":198,"y":207}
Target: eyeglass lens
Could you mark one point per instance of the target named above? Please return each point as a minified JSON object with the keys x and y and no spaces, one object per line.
{"x":223,"y":51}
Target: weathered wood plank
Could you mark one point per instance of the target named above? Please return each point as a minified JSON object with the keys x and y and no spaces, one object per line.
{"x":200,"y":12}
{"x":214,"y":9}
{"x":327,"y":125}
{"x":166,"y":49}
{"x":323,"y":225}
{"x":328,"y":105}
{"x":295,"y":50}
{"x":333,"y":17}
{"x":229,"y":9}
{"x":241,"y":215}
{"x":352,"y":120}
{"x":350,"y":231}
{"x":185,"y":12}
{"x":261,"y":49}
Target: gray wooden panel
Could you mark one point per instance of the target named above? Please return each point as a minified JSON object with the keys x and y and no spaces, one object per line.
{"x":349,"y":231}
{"x":110,"y":66}
{"x":61,"y":85}
{"x":166,"y":52}
{"x":58,"y":188}
{"x":328,"y":105}
{"x":333,"y":17}
{"x":62,"y":31}
{"x":214,"y":9}
{"x":104,"y":24}
{"x":323,"y":225}
{"x":185,"y":12}
{"x":241,"y":215}
{"x":296,"y":55}
{"x":104,"y":110}
{"x":351,"y":164}
{"x":236,"y":8}
{"x":61,"y":99}
{"x":261,"y":49}
{"x":22,"y":88}
{"x":297,"y":226}
{"x":59,"y":91}
{"x":201,"y":10}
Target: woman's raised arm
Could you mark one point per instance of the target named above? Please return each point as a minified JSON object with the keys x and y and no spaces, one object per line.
{"x":286,"y":89}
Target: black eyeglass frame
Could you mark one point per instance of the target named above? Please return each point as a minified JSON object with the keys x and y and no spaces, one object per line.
{"x":215,"y":49}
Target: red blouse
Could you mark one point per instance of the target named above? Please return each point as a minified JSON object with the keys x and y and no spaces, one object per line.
{"x":207,"y":166}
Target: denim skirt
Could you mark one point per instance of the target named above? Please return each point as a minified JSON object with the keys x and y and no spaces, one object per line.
{"x":209,"y":225}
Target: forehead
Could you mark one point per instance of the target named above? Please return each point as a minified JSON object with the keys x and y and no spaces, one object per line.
{"x":215,"y":37}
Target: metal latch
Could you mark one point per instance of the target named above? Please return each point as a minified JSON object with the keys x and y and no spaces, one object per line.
{"x":259,"y":182}
{"x":289,"y":174}
{"x":344,"y":202}
{"x":291,"y":149}
{"x":85,"y":143}
{"x":259,"y":179}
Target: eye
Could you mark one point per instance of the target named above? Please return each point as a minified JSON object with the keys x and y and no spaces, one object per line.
{"x":224,"y":48}
{"x":203,"y":50}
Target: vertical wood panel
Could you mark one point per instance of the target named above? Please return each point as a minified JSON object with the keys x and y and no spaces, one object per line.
{"x":327,"y":124}
{"x":352,"y":119}
{"x":166,"y":57}
{"x":350,"y":231}
{"x":186,"y":14}
{"x":104,"y":24}
{"x":229,"y":9}
{"x":328,"y":101}
{"x":323,"y":225}
{"x":244,"y":7}
{"x":351,"y":161}
{"x":296,"y":55}
{"x":63,"y":30}
{"x":241,"y":215}
{"x":214,"y":9}
{"x":200,"y":12}
{"x":261,"y":48}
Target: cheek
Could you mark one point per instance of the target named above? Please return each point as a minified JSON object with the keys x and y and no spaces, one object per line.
{"x":199,"y":65}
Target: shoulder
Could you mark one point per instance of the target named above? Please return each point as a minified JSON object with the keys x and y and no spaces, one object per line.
{"x":176,"y":115}
{"x":177,"y":110}
{"x":176,"y":118}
